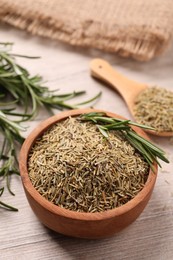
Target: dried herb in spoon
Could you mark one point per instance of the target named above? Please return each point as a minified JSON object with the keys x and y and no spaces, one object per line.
{"x":154,"y":107}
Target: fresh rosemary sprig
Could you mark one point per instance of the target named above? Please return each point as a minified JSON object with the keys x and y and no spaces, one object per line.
{"x":28,"y":91}
{"x":147,"y":149}
{"x":18,"y":89}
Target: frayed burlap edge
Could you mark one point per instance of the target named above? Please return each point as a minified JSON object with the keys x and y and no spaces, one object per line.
{"x":151,"y":42}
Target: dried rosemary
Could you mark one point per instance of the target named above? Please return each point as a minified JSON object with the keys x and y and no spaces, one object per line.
{"x":154,"y":107}
{"x":75,"y":166}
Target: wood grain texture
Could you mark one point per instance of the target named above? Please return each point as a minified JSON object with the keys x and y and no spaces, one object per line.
{"x":22,"y":236}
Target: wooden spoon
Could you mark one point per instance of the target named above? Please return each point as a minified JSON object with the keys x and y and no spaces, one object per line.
{"x":129,"y":89}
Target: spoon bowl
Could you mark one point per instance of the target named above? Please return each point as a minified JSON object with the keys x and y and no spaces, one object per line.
{"x":127,"y":88}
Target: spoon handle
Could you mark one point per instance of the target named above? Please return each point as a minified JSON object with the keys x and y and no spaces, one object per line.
{"x":128,"y":89}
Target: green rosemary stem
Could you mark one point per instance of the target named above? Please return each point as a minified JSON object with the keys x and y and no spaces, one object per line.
{"x":147,"y":149}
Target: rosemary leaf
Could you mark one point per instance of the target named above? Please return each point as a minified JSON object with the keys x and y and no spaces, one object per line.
{"x":90,"y":100}
{"x":4,"y":205}
{"x":103,"y":131}
{"x":7,"y":207}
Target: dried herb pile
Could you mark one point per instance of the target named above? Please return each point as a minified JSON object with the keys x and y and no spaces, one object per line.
{"x":74,"y":166}
{"x":154,"y":107}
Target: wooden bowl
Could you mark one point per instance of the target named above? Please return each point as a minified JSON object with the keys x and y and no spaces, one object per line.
{"x":78,"y":224}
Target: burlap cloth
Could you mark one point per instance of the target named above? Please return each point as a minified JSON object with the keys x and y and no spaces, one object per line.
{"x":141,"y":29}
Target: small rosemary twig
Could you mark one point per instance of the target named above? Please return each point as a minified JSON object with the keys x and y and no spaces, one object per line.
{"x":147,"y":149}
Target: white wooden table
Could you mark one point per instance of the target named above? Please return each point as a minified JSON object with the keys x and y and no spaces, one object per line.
{"x":150,"y":237}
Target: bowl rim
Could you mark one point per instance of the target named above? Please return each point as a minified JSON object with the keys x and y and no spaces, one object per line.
{"x":28,"y":187}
